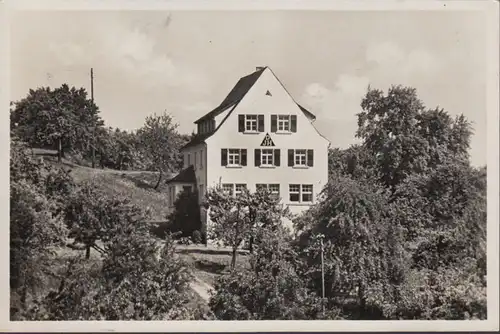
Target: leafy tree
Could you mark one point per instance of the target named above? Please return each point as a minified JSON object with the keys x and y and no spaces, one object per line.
{"x":92,"y":216}
{"x":160,"y":142}
{"x":137,"y":280}
{"x":236,"y":219}
{"x":271,"y":290}
{"x":355,"y":161}
{"x":362,"y":253}
{"x":63,"y":116}
{"x":407,"y":138}
{"x":36,"y":229}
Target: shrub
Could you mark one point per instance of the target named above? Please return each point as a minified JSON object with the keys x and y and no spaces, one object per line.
{"x":197,"y":238}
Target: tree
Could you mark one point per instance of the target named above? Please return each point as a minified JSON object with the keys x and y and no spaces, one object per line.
{"x":36,"y":228}
{"x":407,"y":138}
{"x":137,"y":280}
{"x":161,"y":143}
{"x":63,"y":116}
{"x":236,"y":219}
{"x":363,"y":255}
{"x":92,"y":216}
{"x":272,"y":289}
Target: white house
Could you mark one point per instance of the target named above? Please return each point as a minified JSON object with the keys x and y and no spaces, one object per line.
{"x":259,"y":136}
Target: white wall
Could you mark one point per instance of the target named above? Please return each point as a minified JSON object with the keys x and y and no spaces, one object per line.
{"x":306,"y":137}
{"x":200,"y":169}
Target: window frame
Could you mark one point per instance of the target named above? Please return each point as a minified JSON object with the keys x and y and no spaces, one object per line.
{"x":267,"y":157}
{"x":300,"y":153}
{"x":301,"y":192}
{"x":282,"y":120}
{"x":235,"y":155}
{"x":228,"y":188}
{"x":238,"y":192}
{"x":251,"y":119}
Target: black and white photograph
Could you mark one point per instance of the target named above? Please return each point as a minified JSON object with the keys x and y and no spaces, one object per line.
{"x":185,"y":163}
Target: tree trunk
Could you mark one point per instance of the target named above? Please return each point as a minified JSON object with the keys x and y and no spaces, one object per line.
{"x":87,"y":252}
{"x":59,"y":150}
{"x":233,"y":260}
{"x":250,"y":245}
{"x":159,"y":180}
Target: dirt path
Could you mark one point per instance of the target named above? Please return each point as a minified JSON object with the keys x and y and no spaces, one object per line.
{"x":201,"y":288}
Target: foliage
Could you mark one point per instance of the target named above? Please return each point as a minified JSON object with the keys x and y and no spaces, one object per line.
{"x":64,"y":116}
{"x":92,"y":216}
{"x":355,"y":161}
{"x":160,"y":143}
{"x":197,"y":237}
{"x":186,"y":215}
{"x":405,"y":137}
{"x":36,"y":228}
{"x":137,"y":281}
{"x":236,"y":219}
{"x":271,"y":289}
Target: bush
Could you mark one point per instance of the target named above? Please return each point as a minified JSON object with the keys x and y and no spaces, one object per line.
{"x":197,"y":237}
{"x":186,"y":216}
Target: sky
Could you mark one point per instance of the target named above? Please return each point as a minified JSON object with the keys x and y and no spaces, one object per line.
{"x":185,"y":62}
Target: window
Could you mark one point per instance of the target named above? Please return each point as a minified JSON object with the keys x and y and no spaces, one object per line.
{"x":227,"y":188}
{"x":274,"y":189}
{"x":307,"y":193}
{"x":250,"y":122}
{"x":300,"y":158}
{"x":239,"y":188}
{"x":233,"y":157}
{"x":294,"y":193}
{"x":301,"y":193}
{"x":267,"y":157}
{"x":187,"y":189}
{"x":195,"y":158}
{"x":189,"y":159}
{"x":283,"y":123}
{"x":201,"y":159}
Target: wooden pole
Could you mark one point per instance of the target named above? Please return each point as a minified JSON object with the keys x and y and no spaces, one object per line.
{"x":93,"y":129}
{"x":322,"y":276}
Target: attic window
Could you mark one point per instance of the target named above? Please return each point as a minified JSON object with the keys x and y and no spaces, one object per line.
{"x":268,"y":93}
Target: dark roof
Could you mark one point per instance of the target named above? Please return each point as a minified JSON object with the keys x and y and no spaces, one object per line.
{"x":307,"y":112}
{"x":186,"y":175}
{"x":232,"y":99}
{"x":197,"y":139}
{"x":235,"y":95}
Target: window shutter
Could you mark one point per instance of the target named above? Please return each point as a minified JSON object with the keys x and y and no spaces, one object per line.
{"x":277,"y":157}
{"x":274,"y":123}
{"x":257,"y":157}
{"x":241,"y":123}
{"x":261,"y":123}
{"x":310,"y":158}
{"x":293,"y":125}
{"x":243,"y":153}
{"x":290,"y":158}
{"x":223,"y":158}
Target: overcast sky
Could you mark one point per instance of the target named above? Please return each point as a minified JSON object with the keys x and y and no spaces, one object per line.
{"x":186,"y":62}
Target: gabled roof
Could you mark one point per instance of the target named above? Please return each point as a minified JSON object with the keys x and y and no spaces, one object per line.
{"x":232,"y":99}
{"x":235,"y":95}
{"x":186,"y":175}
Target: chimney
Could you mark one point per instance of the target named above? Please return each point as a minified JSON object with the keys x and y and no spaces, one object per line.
{"x":259,"y":68}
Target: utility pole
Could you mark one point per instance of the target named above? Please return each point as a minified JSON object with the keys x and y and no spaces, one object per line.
{"x":93,"y":129}
{"x":321,"y":236}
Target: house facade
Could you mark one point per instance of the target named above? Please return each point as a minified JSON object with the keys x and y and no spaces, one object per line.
{"x":257,"y":137}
